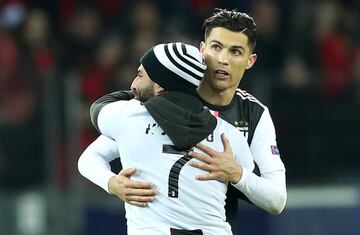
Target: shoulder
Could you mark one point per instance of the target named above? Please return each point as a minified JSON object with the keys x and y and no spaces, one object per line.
{"x":246,"y":97}
{"x":122,"y":109}
{"x":252,"y":108}
{"x":121,"y":104}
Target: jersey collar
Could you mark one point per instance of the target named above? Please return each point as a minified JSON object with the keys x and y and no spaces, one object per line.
{"x":217,"y":107}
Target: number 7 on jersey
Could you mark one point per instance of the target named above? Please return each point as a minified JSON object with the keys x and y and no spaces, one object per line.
{"x":175,"y":169}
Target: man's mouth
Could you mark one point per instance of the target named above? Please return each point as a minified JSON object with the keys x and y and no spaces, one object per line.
{"x":221,"y":74}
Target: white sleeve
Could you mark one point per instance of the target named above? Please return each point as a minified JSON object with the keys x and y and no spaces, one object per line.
{"x":269,"y":190}
{"x":109,"y":118}
{"x":93,"y":163}
{"x":264,"y":147}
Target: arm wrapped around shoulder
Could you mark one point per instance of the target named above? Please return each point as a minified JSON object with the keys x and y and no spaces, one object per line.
{"x":106,"y":99}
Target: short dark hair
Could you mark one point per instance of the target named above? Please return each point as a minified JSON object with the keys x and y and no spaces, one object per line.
{"x":234,"y":21}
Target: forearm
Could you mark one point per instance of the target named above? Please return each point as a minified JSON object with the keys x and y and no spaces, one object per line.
{"x":96,"y":170}
{"x":267,"y":192}
{"x":106,"y":99}
{"x":93,"y":163}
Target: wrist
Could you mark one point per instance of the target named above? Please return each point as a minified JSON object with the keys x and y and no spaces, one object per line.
{"x":236,"y":176}
{"x":110,"y":184}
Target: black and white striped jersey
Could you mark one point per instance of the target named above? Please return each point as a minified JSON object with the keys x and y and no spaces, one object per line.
{"x":253,"y":119}
{"x":244,"y":112}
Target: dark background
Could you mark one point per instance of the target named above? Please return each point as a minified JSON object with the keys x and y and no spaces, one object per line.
{"x":57,"y":57}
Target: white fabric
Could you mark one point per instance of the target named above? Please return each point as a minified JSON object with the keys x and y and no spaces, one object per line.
{"x":94,"y":161}
{"x":200,"y":204}
{"x":269,"y":190}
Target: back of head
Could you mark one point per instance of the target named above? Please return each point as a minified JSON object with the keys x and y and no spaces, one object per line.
{"x":174,"y":66}
{"x":234,"y":21}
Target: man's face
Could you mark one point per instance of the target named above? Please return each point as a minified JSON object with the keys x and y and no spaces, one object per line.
{"x":142,"y":86}
{"x":227,"y":55}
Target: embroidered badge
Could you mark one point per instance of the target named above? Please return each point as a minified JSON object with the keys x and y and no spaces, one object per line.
{"x":274,"y":150}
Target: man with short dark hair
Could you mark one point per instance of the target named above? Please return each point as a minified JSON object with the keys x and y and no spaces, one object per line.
{"x":228,"y":49}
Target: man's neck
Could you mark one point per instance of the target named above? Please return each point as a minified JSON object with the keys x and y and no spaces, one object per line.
{"x":215,"y":97}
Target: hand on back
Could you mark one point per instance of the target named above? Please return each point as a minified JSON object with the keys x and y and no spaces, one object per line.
{"x":137,"y":193}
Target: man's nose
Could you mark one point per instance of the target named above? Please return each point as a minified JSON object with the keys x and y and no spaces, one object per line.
{"x":134,"y":82}
{"x":224,"y":57}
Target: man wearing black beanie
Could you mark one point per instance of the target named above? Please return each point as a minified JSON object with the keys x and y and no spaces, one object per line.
{"x":172,"y":67}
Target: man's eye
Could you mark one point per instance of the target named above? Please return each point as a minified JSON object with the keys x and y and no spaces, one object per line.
{"x":236,"y":52}
{"x":215,"y":47}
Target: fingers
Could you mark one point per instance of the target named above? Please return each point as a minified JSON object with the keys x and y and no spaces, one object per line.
{"x":139,"y":204}
{"x":226,"y":143}
{"x":200,"y":157}
{"x":206,"y":149}
{"x":201,"y":165}
{"x":205,"y":177}
{"x":211,"y":176}
{"x":139,"y":201}
{"x":124,"y":177}
{"x":137,"y":196}
{"x":134,"y":193}
{"x":139,"y":184}
{"x":137,"y":193}
{"x":127,"y":172}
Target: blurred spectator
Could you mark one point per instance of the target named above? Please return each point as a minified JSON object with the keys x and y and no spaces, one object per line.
{"x":269,"y":48}
{"x":334,"y":48}
{"x":12,"y":14}
{"x":96,"y":79}
{"x":37,"y":45}
{"x":81,"y":36}
{"x":21,"y":143}
{"x":355,"y":73}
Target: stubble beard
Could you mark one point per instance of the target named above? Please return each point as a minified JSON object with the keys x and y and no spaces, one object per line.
{"x":145,"y":93}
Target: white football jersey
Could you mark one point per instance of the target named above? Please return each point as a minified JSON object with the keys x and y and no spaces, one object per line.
{"x":182,"y":202}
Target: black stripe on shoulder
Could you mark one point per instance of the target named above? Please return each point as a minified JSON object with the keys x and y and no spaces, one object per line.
{"x":246,"y":96}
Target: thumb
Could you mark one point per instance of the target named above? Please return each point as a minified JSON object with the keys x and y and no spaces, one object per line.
{"x":127,"y":172}
{"x":226,"y":143}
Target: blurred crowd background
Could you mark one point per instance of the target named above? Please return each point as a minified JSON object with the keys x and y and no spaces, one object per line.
{"x":57,"y":57}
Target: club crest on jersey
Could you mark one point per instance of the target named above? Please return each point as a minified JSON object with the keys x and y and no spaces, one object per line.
{"x":243,"y":127}
{"x":274,"y":150}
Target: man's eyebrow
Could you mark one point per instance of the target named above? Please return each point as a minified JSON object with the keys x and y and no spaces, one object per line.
{"x":238,"y":47}
{"x":232,"y":47}
{"x":216,"y":41}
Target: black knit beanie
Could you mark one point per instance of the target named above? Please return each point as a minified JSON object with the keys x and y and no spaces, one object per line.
{"x":174,"y":66}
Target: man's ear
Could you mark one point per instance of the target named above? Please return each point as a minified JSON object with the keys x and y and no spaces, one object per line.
{"x":158,"y":89}
{"x":202,"y":47}
{"x":251,"y":61}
